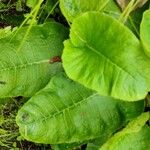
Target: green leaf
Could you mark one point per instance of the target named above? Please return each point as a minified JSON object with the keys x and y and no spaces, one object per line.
{"x":145,"y":32}
{"x":74,"y":8}
{"x":66,"y":112}
{"x":5,"y":32}
{"x":135,"y":136}
{"x":104,"y":55}
{"x":19,"y":5}
{"x":66,"y":146}
{"x":25,"y":71}
{"x":32,"y":3}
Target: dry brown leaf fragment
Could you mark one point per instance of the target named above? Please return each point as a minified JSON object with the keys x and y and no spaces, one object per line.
{"x":123,"y":3}
{"x":141,"y":3}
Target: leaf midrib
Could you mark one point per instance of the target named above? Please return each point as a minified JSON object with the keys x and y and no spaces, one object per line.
{"x":61,"y":111}
{"x":102,"y":55}
{"x":24,"y":65}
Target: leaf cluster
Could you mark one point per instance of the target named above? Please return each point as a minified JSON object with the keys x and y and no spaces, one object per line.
{"x":83,"y":67}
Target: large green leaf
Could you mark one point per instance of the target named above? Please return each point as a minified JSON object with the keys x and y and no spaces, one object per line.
{"x":32,"y":3}
{"x":135,"y":136}
{"x":74,"y":8}
{"x":145,"y":32}
{"x":104,"y":55}
{"x":66,"y":112}
{"x":26,"y":70}
{"x":5,"y":31}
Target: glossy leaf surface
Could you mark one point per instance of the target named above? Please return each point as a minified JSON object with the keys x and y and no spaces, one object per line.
{"x":26,"y":70}
{"x":66,"y":112}
{"x":74,"y":8}
{"x":104,"y":55}
{"x":145,"y":32}
{"x":135,"y":136}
